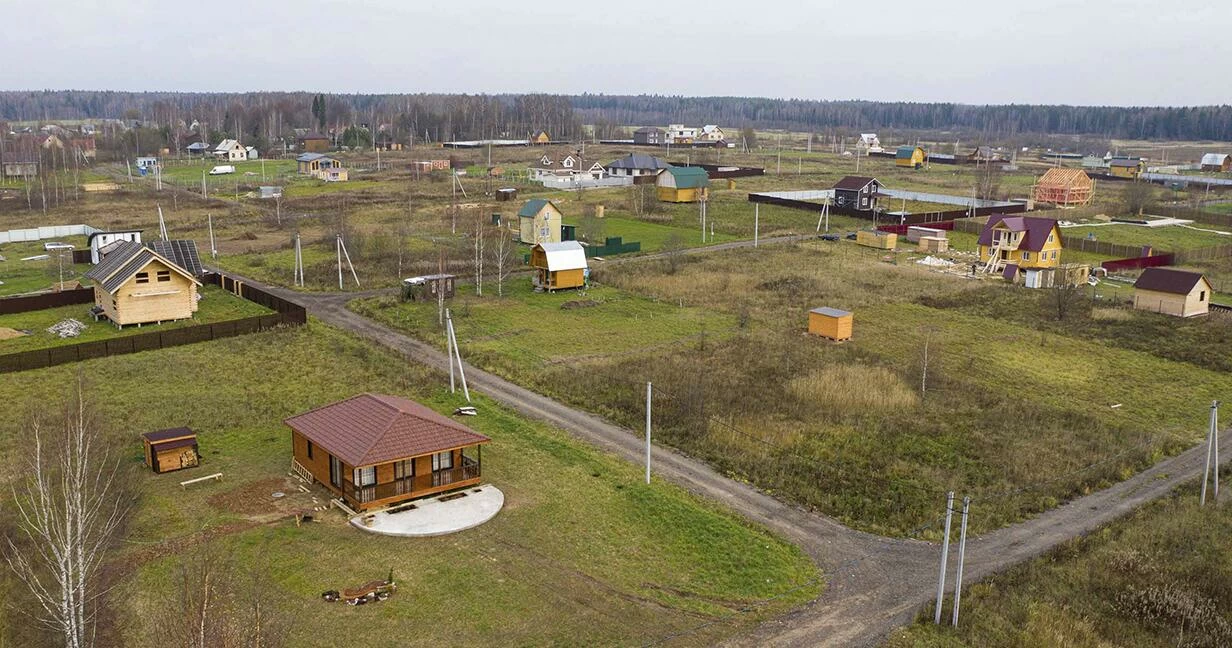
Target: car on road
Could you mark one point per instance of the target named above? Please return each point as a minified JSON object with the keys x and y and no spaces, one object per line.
{"x":829,"y":237}
{"x":222,"y":169}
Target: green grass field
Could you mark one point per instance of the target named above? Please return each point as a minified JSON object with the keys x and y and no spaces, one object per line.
{"x":1154,"y":578}
{"x":216,"y":305}
{"x":1170,"y":238}
{"x":583,"y":553}
{"x":21,"y":277}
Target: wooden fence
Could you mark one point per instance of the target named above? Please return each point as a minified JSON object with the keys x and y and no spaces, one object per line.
{"x":1209,"y":253}
{"x":287,"y":314}
{"x":1118,"y":250}
{"x":42,"y":301}
{"x":1196,"y":215}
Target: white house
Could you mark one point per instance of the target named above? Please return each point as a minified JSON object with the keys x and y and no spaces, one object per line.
{"x":103,"y":242}
{"x":251,"y":153}
{"x":569,"y":166}
{"x":711,"y":133}
{"x":869,"y":143}
{"x":231,"y":151}
{"x":681,"y":134}
{"x":635,"y":164}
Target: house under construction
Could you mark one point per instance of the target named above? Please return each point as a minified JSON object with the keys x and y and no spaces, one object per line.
{"x":1064,"y":187}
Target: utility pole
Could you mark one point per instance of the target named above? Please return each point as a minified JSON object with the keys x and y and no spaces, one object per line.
{"x":962,"y":552}
{"x":453,"y":339}
{"x":756,"y":221}
{"x":945,"y":556}
{"x":1212,"y":454}
{"x":649,"y":395}
{"x":213,"y":248}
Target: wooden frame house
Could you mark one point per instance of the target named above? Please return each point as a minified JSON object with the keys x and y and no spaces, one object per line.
{"x":374,"y":450}
{"x":1172,"y":292}
{"x":1064,"y":187}
{"x":136,"y":285}
{"x":1128,"y":168}
{"x":170,"y":450}
{"x":682,"y":184}
{"x":857,"y":192}
{"x":313,"y":163}
{"x":559,"y":265}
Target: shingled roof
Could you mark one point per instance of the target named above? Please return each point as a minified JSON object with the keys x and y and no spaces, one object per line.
{"x":1036,"y":228}
{"x":372,"y":429}
{"x":1176,"y":282}
{"x":853,"y":183}
{"x":126,"y":260}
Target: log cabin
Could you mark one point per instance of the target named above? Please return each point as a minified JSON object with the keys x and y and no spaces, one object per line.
{"x":136,"y":285}
{"x":1172,"y":292}
{"x":376,"y":450}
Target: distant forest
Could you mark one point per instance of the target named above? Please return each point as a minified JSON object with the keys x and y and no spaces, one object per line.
{"x":437,"y":117}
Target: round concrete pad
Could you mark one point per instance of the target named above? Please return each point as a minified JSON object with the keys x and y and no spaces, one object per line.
{"x":433,"y":516}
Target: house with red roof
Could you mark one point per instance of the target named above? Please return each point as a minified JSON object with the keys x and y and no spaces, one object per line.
{"x":374,"y":450}
{"x":1013,"y":243}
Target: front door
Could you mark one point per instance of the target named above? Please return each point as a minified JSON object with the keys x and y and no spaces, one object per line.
{"x":335,"y":471}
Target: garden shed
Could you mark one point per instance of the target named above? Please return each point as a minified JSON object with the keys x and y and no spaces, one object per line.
{"x":830,"y":323}
{"x":559,"y":265}
{"x":1172,"y":292}
{"x":171,"y":449}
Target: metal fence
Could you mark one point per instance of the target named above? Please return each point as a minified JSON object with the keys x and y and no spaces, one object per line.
{"x":1138,"y":263}
{"x":287,"y":314}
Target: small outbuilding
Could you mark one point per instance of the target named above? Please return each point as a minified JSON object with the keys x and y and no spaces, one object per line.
{"x":911,"y":157}
{"x":1128,"y":168}
{"x":428,"y":287}
{"x":830,"y":323}
{"x":1172,"y":292}
{"x":1217,"y":162}
{"x":539,"y":222}
{"x":334,"y":174}
{"x":171,"y":449}
{"x":877,"y":239}
{"x":506,"y":194}
{"x":559,"y":265}
{"x":682,"y":184}
{"x":312,"y":163}
{"x":934,"y":244}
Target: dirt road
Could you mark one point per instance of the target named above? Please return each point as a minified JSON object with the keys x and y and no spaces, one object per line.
{"x":874,"y":584}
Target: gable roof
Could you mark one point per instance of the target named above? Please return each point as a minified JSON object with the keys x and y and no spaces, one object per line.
{"x":1214,"y":158}
{"x":689,"y":177}
{"x":182,"y":251}
{"x":533,"y":206}
{"x":370,"y":429}
{"x":638,"y":161}
{"x":1122,"y":162}
{"x":566,"y":255}
{"x":128,"y":258}
{"x":308,"y":157}
{"x":1177,"y":282}
{"x":905,"y":152}
{"x":1036,"y":230}
{"x":853,"y":183}
{"x":1063,"y":177}
{"x":227,"y":145}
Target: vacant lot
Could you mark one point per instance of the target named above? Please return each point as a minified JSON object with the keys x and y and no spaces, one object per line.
{"x":19,"y":277}
{"x":1154,"y":578}
{"x":583,"y":552}
{"x":934,"y":392}
{"x":216,"y":305}
{"x":1169,"y":238}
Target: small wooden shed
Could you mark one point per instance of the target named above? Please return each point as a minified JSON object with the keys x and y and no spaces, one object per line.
{"x":877,"y":239}
{"x":171,"y":449}
{"x":558,"y":265}
{"x":934,"y":244}
{"x":830,"y":323}
{"x":428,"y":287}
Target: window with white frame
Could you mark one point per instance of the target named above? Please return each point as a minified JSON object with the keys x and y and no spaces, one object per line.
{"x":365,"y":476}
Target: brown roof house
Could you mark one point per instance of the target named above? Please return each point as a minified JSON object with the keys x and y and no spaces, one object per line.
{"x":375,"y":450}
{"x":1172,"y":292}
{"x":857,"y":192}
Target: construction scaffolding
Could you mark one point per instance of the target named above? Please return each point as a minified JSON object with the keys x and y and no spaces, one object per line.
{"x":1064,"y":187}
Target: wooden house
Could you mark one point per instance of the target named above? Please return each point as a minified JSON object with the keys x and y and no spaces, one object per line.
{"x":634,"y":165}
{"x":171,"y":449}
{"x":649,"y":136}
{"x":1023,"y":242}
{"x":375,"y":450}
{"x":1217,"y":162}
{"x":559,"y":265}
{"x":230,"y":150}
{"x":333,"y":174}
{"x":911,"y":157}
{"x":711,"y":133}
{"x":869,"y":143}
{"x":429,"y":287}
{"x":1064,"y":187}
{"x":857,"y":192}
{"x":682,"y":184}
{"x":134,"y":284}
{"x":1128,"y":168}
{"x":1172,"y":292}
{"x":567,"y":165}
{"x":539,"y":222}
{"x":312,"y":163}
{"x":830,"y":323}
{"x":541,"y":138}
{"x":312,"y":142}
{"x":681,"y":134}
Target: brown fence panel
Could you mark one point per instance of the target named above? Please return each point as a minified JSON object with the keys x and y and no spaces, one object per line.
{"x":61,"y":354}
{"x":33,"y":359}
{"x":145,"y":342}
{"x":10,"y":305}
{"x":1210,"y":253}
{"x":125,"y":344}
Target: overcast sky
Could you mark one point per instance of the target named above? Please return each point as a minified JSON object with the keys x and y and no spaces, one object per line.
{"x":1132,"y":52}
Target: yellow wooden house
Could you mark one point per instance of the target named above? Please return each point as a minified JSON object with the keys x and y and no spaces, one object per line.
{"x":682,"y":184}
{"x":136,"y":285}
{"x":1126,"y":168}
{"x":541,"y":138}
{"x":539,"y":222}
{"x":558,"y":265}
{"x":1025,"y":242}
{"x":1172,"y":292}
{"x":911,"y":157}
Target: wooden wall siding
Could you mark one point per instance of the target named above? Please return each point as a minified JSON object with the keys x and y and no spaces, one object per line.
{"x":318,"y":466}
{"x":1172,"y":304}
{"x":154,"y":301}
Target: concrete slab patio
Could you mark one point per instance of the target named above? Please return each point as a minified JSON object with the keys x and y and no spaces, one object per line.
{"x":434,"y":516}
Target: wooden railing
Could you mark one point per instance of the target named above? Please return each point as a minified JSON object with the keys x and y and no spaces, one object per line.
{"x":410,"y":485}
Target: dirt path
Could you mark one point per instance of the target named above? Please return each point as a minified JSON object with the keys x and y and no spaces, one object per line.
{"x":874,"y":584}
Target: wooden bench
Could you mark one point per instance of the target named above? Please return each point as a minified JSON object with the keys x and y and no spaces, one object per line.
{"x":215,"y":477}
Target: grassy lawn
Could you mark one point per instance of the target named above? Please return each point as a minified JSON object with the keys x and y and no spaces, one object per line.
{"x":190,"y":171}
{"x":583,"y":553}
{"x":1155,"y":578}
{"x":1169,"y":238}
{"x":21,"y":277}
{"x":216,"y":305}
{"x":859,"y":430}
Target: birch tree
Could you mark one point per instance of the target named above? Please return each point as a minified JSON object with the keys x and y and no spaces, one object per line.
{"x":502,"y":256}
{"x":480,"y":235}
{"x":68,"y":511}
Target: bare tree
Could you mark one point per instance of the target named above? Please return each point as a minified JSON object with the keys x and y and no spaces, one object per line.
{"x":68,"y":512}
{"x":480,"y":232}
{"x":673,"y":251}
{"x":1063,"y":299}
{"x":1137,"y":197}
{"x":590,"y":227}
{"x":219,"y":608}
{"x":502,"y":255}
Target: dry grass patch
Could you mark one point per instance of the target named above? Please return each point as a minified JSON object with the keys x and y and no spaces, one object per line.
{"x":849,"y":389}
{"x":1111,"y":314}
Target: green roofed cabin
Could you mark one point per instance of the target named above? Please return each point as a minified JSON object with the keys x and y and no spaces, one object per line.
{"x":539,"y":222}
{"x":911,"y":157}
{"x":682,"y":184}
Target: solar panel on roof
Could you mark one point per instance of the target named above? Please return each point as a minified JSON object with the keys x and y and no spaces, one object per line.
{"x":181,"y":251}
